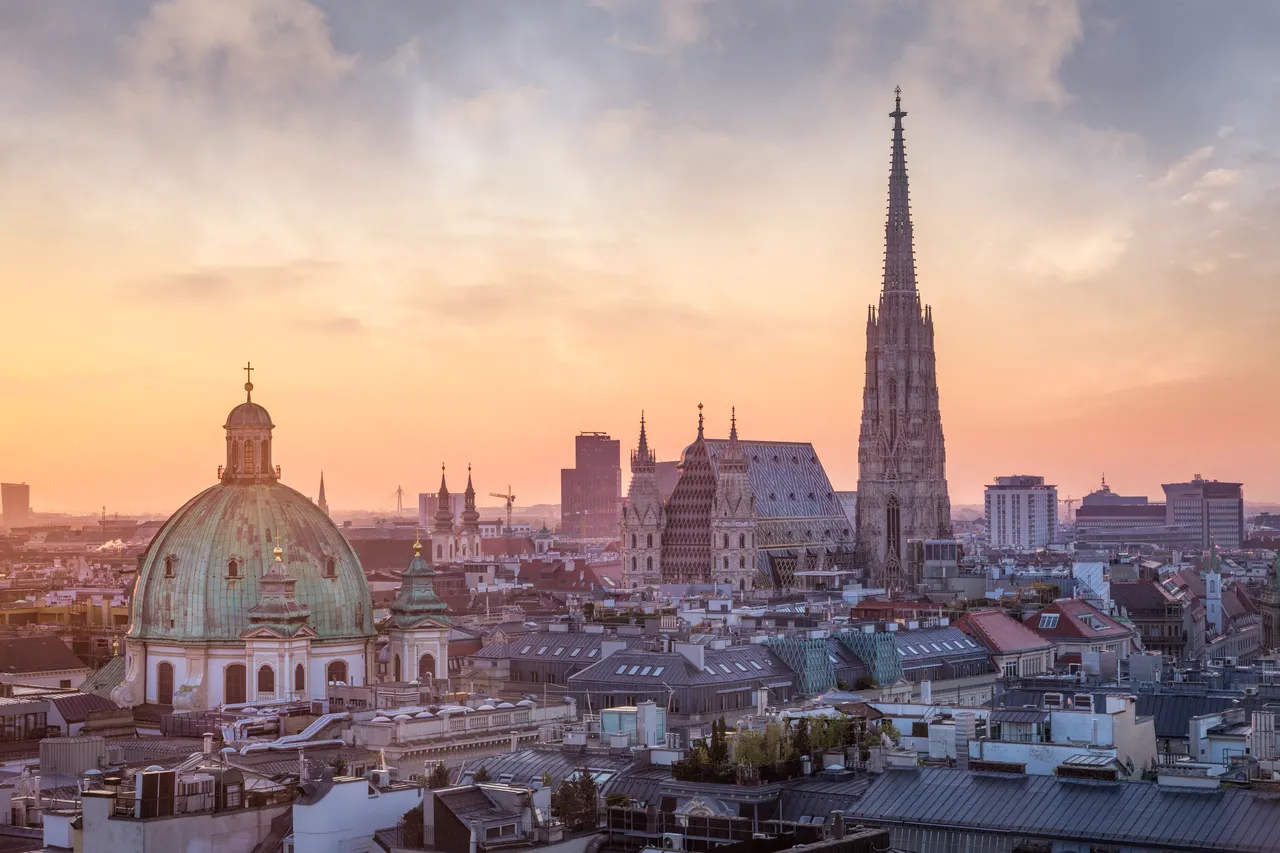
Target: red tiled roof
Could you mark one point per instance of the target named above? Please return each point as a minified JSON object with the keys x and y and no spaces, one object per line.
{"x":1000,"y":633}
{"x":40,"y":653}
{"x":507,"y":546}
{"x":1071,"y":625}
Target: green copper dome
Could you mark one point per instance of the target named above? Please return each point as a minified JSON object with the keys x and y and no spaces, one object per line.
{"x":203,"y":572}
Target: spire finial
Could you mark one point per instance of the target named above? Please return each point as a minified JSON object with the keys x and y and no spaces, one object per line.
{"x":248,"y":382}
{"x":279,"y":552}
{"x":417,"y":542}
{"x":699,"y":420}
{"x":897,"y":96}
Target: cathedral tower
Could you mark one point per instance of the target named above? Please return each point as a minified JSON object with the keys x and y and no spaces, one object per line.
{"x":444,"y":543}
{"x":902,"y":486}
{"x":733,"y":518}
{"x":642,"y":520}
{"x":470,"y":544}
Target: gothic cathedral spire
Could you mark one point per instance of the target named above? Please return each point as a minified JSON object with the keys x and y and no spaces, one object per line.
{"x":902,"y":486}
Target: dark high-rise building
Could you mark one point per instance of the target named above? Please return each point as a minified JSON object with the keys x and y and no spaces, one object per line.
{"x":591,"y":491}
{"x":902,"y":485}
{"x":15,"y":502}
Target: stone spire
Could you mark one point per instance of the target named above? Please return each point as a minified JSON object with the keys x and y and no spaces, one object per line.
{"x":899,"y":253}
{"x":642,"y":459}
{"x":417,"y":600}
{"x":733,"y":460}
{"x":470,"y":515}
{"x":320,"y":501}
{"x":902,"y":486}
{"x":278,"y":607}
{"x":444,"y":507}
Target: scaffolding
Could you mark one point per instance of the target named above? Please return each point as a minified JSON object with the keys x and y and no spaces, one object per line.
{"x":807,"y":656}
{"x":877,"y":651}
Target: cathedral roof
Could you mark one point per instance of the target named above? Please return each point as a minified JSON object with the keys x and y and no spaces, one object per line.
{"x":786,"y":476}
{"x":249,"y":414}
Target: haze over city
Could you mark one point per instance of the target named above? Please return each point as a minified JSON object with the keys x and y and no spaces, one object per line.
{"x":465,"y":232}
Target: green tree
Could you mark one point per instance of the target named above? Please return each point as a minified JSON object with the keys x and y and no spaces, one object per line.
{"x":719,"y":744}
{"x":589,"y":611}
{"x":576,"y":802}
{"x":439,"y":777}
{"x":481,"y":775}
{"x":412,"y":828}
{"x":801,"y":738}
{"x":749,"y":748}
{"x":773,"y":741}
{"x":547,"y":781}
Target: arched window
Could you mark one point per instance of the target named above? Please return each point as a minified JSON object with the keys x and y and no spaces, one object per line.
{"x":742,"y":584}
{"x":633,"y":540}
{"x":233,"y":569}
{"x":233,"y":685}
{"x":742,"y":540}
{"x":337,"y":672}
{"x":742,"y":562}
{"x":266,"y":679}
{"x":235,"y":456}
{"x":266,"y":457}
{"x":330,"y":568}
{"x":248,"y":458}
{"x":633,"y":564}
{"x":439,"y":552}
{"x":726,"y":540}
{"x":648,"y":540}
{"x":168,"y":567}
{"x":299,"y":678}
{"x":426,"y":667}
{"x":164,"y":683}
{"x":893,"y":527}
{"x":396,"y":669}
{"x":726,"y":562}
{"x":648,"y":563}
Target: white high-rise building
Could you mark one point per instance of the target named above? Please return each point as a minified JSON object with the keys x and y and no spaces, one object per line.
{"x":1022,"y":512}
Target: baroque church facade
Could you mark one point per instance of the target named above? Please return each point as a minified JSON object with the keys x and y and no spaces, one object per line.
{"x":746,"y":515}
{"x":902,"y":485}
{"x":249,"y":594}
{"x":451,"y":541}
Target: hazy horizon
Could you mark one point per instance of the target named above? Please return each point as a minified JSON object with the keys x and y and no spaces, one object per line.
{"x":464,"y":233}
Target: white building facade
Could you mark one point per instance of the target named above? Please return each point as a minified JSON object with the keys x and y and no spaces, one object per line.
{"x":1022,"y":512}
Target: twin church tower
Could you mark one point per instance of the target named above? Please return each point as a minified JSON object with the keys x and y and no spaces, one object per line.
{"x":763,"y":514}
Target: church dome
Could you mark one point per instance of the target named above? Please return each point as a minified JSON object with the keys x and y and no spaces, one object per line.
{"x":249,"y":414}
{"x":202,"y":572}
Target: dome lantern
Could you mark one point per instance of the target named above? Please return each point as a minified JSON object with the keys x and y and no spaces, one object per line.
{"x":249,"y":429}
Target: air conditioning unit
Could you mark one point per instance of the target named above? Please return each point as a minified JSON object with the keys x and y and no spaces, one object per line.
{"x":672,"y":841}
{"x":380,"y":778}
{"x":1053,"y":700}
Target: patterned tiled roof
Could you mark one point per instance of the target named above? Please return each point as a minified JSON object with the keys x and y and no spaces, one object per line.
{"x":721,"y":666}
{"x":999,"y":633}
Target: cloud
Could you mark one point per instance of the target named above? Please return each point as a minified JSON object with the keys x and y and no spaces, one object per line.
{"x":405,"y":57}
{"x":1217,"y":179}
{"x":223,"y":282}
{"x":684,"y":22}
{"x":1181,"y":169}
{"x":617,"y":128}
{"x":249,"y":47}
{"x":1016,"y":45}
{"x":495,"y":105}
{"x":340,"y":324}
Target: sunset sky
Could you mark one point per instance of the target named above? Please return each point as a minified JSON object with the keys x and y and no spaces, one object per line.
{"x":463,"y":232}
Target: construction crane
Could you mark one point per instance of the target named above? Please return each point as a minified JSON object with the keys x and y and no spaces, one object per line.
{"x":510,"y":499}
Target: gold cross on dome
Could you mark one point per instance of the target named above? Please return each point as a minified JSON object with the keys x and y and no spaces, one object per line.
{"x":248,"y":371}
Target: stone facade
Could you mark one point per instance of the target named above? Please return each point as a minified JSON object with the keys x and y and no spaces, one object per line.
{"x":643,"y":518}
{"x":902,"y":486}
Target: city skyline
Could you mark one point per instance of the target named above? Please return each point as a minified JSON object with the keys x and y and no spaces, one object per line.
{"x":343,"y":202}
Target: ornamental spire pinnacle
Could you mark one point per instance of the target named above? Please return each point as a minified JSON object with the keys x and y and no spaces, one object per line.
{"x":699,"y":420}
{"x":643,"y":449}
{"x":899,"y":253}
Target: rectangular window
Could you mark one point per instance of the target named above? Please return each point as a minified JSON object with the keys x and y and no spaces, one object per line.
{"x":658,"y":671}
{"x":726,"y":669}
{"x":756,"y":665}
{"x":542,"y":650}
{"x":593,"y":653}
{"x":526,"y":650}
{"x":620,"y":670}
{"x":575,"y":652}
{"x":558,"y":652}
{"x":1049,"y":620}
{"x":645,"y":671}
{"x":634,"y":669}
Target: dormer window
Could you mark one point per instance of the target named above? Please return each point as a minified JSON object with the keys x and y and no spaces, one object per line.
{"x":233,"y":569}
{"x":168,"y":566}
{"x":330,"y":568}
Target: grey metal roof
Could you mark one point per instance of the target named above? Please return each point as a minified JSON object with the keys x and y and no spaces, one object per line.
{"x":936,"y":644}
{"x":735,"y":665}
{"x":1019,"y":715}
{"x":1118,"y":813}
{"x":788,"y":481}
{"x":527,"y":766}
{"x":819,"y":796}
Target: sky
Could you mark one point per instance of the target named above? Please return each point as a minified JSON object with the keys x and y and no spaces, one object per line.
{"x":463,"y":232}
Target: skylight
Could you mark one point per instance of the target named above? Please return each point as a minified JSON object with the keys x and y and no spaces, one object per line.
{"x":593,"y":653}
{"x":645,"y":671}
{"x":740,"y":666}
{"x":542,"y":650}
{"x":726,"y":669}
{"x":621,"y":670}
{"x":913,"y":651}
{"x":936,"y":647}
{"x":709,"y":670}
{"x":575,"y":652}
{"x":634,"y":669}
{"x":658,"y":671}
{"x":526,"y":650}
{"x":833,"y":659}
{"x":559,"y":651}
{"x":948,"y":646}
{"x":756,"y":665}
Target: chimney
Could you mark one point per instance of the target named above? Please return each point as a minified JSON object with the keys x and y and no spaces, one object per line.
{"x":806,"y":765}
{"x":515,"y":741}
{"x":208,"y":744}
{"x":762,"y":701}
{"x":608,"y":647}
{"x":474,"y":840}
{"x":302,"y":765}
{"x":695,"y":653}
{"x":926,"y":692}
{"x":837,"y":825}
